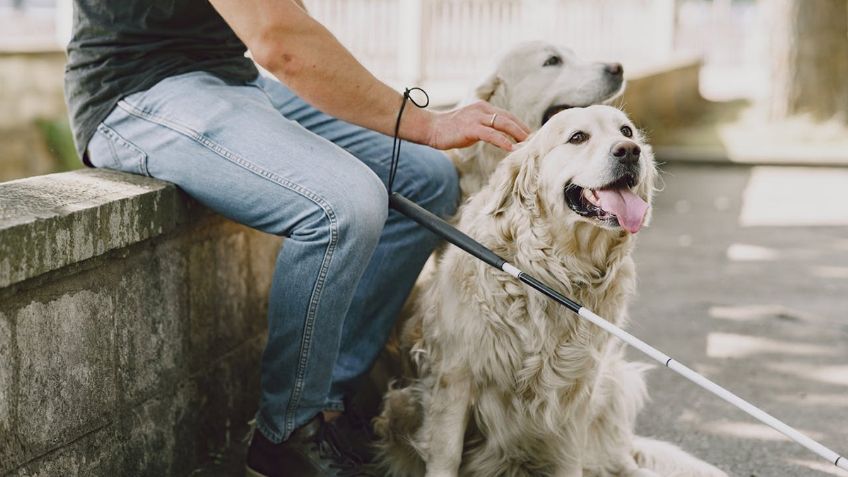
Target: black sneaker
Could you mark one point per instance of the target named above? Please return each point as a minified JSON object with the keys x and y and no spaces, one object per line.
{"x":353,"y":435}
{"x":312,"y":450}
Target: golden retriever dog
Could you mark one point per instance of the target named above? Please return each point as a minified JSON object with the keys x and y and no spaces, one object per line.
{"x":510,"y":383}
{"x":534,"y":80}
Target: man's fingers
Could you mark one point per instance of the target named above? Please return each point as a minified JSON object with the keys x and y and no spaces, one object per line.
{"x":518,"y":122}
{"x":478,"y":122}
{"x":504,"y":121}
{"x":510,"y":126}
{"x":495,"y":138}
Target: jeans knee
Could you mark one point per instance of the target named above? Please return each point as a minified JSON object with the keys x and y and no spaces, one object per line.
{"x":361,"y":211}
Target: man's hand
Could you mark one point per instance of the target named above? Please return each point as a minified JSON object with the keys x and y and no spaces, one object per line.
{"x":463,"y":127}
{"x":307,"y":58}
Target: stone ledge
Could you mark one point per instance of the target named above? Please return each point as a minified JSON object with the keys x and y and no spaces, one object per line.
{"x":132,"y":320}
{"x":50,"y":222}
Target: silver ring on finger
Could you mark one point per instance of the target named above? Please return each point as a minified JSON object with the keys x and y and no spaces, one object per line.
{"x":492,"y":122}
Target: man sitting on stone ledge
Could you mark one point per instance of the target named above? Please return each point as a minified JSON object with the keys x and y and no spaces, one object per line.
{"x":162,"y":88}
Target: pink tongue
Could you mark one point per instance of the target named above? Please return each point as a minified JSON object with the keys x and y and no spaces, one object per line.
{"x":627,"y":206}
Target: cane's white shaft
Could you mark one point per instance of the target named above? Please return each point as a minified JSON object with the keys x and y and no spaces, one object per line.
{"x":466,"y":243}
{"x":681,"y":369}
{"x":714,"y":388}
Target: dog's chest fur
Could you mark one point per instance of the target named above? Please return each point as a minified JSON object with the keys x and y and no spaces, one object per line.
{"x":521,"y":342}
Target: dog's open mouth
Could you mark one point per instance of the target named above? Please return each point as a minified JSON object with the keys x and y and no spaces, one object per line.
{"x":614,"y":204}
{"x":548,"y":114}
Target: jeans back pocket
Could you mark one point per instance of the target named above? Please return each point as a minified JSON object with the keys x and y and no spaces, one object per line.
{"x":110,"y":150}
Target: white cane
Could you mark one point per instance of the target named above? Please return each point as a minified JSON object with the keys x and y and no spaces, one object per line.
{"x":466,"y":243}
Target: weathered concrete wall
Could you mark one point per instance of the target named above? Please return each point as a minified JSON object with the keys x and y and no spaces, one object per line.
{"x":131,"y":323}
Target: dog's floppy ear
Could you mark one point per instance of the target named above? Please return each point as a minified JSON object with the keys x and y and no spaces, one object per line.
{"x":515,"y":181}
{"x":488,"y":87}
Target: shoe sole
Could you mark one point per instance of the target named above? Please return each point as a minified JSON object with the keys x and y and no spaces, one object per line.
{"x":248,"y":472}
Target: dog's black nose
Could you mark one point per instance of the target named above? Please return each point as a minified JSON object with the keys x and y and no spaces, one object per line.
{"x":626,"y":151}
{"x":614,"y":69}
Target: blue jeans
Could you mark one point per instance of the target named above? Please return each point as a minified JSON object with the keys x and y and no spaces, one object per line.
{"x":258,"y":154}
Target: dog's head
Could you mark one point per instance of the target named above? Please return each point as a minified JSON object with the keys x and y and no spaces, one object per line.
{"x":586,"y":165}
{"x":535,"y":80}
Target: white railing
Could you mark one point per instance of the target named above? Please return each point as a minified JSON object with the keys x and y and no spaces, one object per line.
{"x":446,"y":44}
{"x":461,"y":36}
{"x":367,"y":27}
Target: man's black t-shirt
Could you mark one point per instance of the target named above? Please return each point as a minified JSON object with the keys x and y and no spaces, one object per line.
{"x":120,"y":47}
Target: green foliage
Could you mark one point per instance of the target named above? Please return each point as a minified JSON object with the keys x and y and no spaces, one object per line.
{"x":60,"y":143}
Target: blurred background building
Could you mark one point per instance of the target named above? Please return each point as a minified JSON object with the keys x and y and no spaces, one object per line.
{"x":446,"y":45}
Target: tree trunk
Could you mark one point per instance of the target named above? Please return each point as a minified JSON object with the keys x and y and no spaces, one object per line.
{"x":809,"y":66}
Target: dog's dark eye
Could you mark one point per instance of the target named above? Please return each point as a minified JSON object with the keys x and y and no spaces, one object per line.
{"x":626,"y":131}
{"x":578,"y":138}
{"x":553,"y":61}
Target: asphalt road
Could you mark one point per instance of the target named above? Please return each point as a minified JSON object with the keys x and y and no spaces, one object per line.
{"x":761,"y":310}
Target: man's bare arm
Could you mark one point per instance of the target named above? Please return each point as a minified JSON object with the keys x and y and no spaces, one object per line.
{"x":304,"y":55}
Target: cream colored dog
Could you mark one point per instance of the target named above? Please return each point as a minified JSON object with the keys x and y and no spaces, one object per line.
{"x":533,"y":81}
{"x":509,"y":383}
